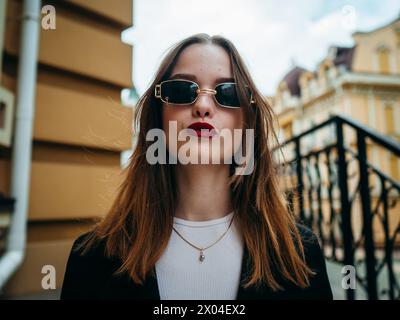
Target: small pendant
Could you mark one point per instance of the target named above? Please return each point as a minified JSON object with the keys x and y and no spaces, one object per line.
{"x":202,"y":256}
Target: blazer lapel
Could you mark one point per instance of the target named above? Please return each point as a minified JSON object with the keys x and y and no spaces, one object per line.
{"x":123,"y":287}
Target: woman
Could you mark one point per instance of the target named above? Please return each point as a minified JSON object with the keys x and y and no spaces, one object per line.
{"x":199,"y":230}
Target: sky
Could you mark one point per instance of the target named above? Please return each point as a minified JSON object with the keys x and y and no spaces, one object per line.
{"x":271,"y":36}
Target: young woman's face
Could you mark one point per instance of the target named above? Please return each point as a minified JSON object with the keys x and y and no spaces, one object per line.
{"x":207,"y":65}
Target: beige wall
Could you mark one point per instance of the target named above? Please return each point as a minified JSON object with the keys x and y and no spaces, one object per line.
{"x":78,"y":44}
{"x":119,"y":11}
{"x":80,"y":129}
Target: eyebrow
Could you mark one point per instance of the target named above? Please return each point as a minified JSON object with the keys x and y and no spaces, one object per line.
{"x":192,"y":77}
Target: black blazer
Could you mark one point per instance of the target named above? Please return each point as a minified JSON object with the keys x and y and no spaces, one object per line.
{"x":91,"y":277}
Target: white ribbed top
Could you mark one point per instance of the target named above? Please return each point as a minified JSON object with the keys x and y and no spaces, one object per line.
{"x":180,"y":274}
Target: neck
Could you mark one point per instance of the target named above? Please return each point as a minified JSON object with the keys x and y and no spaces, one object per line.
{"x":204,"y":192}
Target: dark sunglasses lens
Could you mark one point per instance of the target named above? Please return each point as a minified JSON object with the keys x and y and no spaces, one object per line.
{"x":178,"y":91}
{"x":227,"y":95}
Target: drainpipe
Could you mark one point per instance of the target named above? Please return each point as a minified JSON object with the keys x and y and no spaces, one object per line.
{"x":22,"y":148}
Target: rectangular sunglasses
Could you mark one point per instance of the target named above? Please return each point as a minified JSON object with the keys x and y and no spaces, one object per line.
{"x":183,"y":92}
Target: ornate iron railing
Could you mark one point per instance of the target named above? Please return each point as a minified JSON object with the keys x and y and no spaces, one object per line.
{"x":351,"y":204}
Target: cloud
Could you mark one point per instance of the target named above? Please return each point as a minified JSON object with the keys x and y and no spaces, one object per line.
{"x":268,"y":34}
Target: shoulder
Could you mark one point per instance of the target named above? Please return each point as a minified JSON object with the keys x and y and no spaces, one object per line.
{"x":86,"y":269}
{"x":79,"y":247}
{"x":306,"y":234}
{"x":314,"y":257}
{"x":309,"y":239}
{"x":312,"y":249}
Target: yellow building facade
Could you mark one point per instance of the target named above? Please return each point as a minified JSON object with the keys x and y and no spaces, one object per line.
{"x":362,"y":82}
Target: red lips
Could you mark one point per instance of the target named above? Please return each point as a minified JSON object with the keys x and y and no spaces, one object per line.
{"x":203,"y":129}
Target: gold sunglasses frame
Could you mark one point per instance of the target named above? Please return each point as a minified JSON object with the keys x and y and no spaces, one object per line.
{"x":157,"y":93}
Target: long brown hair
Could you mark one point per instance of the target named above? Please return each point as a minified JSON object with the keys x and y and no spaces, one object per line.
{"x":139,"y":223}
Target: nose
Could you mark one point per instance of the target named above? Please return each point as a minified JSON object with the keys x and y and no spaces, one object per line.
{"x":204,"y":105}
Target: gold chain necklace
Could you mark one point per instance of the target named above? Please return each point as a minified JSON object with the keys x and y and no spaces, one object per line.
{"x":201,"y":249}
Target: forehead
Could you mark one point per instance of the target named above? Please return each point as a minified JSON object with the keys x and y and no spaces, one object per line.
{"x":205,"y":61}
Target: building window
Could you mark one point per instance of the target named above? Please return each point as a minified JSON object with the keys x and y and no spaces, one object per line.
{"x":394,"y":167}
{"x":383,"y":58}
{"x":389,"y":119}
{"x":391,"y":131}
{"x":326,"y":74}
{"x":313,"y":87}
{"x":287,"y":131}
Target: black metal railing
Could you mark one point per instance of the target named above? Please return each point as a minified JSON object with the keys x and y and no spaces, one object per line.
{"x":6,"y":210}
{"x":350,"y":203}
